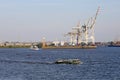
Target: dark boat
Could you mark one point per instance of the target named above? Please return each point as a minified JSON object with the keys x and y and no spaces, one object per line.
{"x":68,"y":61}
{"x":114,"y":44}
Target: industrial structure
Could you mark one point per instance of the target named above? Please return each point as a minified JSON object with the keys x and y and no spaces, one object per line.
{"x":83,"y":34}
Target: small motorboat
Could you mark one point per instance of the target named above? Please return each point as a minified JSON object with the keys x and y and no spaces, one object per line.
{"x":34,"y":48}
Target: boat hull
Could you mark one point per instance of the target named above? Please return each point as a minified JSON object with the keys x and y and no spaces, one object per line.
{"x":113,"y":45}
{"x":69,"y":47}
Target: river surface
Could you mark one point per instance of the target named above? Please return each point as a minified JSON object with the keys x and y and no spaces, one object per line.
{"x":102,"y":63}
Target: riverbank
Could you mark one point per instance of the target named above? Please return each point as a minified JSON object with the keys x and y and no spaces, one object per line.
{"x":14,"y":46}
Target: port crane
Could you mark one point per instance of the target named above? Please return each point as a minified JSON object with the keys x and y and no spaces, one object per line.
{"x":91,"y":26}
{"x":85,"y":33}
{"x":75,"y":35}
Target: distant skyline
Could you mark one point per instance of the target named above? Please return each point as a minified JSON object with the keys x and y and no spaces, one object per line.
{"x":31,"y":20}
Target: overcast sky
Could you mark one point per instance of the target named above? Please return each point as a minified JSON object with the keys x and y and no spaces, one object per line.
{"x":31,"y":20}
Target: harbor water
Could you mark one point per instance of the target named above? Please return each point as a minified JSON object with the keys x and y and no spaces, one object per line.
{"x":102,"y":63}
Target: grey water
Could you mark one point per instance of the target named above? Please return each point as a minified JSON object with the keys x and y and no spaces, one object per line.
{"x":102,"y":63}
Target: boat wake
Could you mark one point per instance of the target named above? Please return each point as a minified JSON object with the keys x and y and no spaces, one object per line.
{"x":27,"y":62}
{"x":69,"y":61}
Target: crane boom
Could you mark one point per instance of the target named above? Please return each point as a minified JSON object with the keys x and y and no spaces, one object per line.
{"x":94,"y":20}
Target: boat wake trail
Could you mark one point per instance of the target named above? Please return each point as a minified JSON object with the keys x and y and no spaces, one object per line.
{"x":62,"y":61}
{"x":27,"y":62}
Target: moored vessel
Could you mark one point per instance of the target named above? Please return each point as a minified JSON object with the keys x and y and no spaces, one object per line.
{"x":114,"y":44}
{"x":67,"y":46}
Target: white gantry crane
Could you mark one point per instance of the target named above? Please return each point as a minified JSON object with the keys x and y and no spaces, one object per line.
{"x":92,"y":37}
{"x":77,"y":31}
{"x":88,"y":29}
{"x":85,"y":33}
